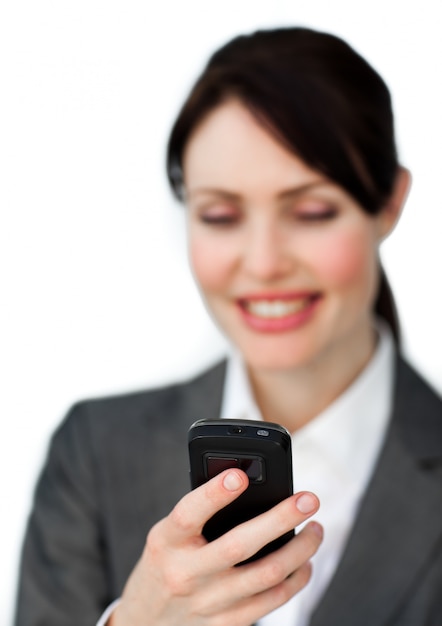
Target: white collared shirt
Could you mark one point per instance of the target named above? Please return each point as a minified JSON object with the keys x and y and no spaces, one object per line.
{"x":333,"y":456}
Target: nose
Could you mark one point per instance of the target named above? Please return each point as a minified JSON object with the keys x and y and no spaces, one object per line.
{"x":266,"y":256}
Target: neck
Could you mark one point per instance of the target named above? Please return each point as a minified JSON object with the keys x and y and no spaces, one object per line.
{"x":294,"y":397}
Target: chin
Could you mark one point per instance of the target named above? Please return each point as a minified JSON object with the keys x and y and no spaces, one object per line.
{"x":278,"y":355}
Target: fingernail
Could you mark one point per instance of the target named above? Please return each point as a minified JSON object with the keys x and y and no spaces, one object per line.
{"x":306,"y":503}
{"x":232,"y":481}
{"x":317,"y":529}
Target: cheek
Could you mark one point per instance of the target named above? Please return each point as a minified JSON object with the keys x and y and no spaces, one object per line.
{"x":209,"y":263}
{"x":349,"y":261}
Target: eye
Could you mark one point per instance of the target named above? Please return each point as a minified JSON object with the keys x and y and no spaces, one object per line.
{"x":218,"y":219}
{"x":317,"y":216}
{"x":221,"y":214}
{"x":314,"y":212}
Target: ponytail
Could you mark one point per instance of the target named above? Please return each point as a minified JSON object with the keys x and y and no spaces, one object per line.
{"x":385,"y":307}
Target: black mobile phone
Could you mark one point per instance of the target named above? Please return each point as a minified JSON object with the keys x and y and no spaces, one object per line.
{"x":262,"y":450}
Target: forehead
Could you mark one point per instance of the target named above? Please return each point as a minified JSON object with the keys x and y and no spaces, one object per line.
{"x":230,"y":149}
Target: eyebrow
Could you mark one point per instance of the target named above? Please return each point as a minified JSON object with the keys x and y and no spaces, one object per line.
{"x":212,"y":191}
{"x":291,"y":192}
{"x":299,"y":191}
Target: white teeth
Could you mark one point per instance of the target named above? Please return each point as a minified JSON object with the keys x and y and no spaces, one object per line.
{"x":275,"y":308}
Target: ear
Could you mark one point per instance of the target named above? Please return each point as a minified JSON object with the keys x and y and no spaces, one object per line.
{"x":390,"y":213}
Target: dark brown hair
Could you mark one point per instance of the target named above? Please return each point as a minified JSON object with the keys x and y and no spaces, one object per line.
{"x":320,"y":99}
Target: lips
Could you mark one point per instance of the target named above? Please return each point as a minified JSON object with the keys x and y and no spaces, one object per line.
{"x":278,"y":312}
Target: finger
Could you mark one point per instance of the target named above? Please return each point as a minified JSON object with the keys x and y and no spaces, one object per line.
{"x":192,"y":512}
{"x":250,"y":610}
{"x":273,"y":569}
{"x":245,"y":540}
{"x":270,"y":571}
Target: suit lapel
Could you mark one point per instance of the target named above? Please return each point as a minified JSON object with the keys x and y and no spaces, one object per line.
{"x":399,"y":521}
{"x":159,"y":461}
{"x":168,"y":434}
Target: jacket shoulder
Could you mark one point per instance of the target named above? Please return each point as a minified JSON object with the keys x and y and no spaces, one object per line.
{"x":418,"y":408}
{"x":165,"y":406}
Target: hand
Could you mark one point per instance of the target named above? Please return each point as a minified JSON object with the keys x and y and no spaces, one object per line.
{"x":182,"y":580}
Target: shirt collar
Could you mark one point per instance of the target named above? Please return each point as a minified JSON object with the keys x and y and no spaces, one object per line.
{"x":350,"y":431}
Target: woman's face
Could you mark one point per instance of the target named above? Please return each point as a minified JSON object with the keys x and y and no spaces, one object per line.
{"x":286,"y":260}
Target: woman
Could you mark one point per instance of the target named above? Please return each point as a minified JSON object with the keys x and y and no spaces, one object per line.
{"x":284,"y":155}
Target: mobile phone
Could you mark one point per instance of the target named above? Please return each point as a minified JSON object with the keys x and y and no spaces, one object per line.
{"x":262,"y":450}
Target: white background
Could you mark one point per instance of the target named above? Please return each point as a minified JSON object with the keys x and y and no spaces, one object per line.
{"x":96,"y":295}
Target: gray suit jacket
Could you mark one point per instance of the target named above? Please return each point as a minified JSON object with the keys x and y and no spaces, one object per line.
{"x":118,"y":465}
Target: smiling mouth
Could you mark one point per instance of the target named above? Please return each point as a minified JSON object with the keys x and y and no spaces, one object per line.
{"x":276,"y":309}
